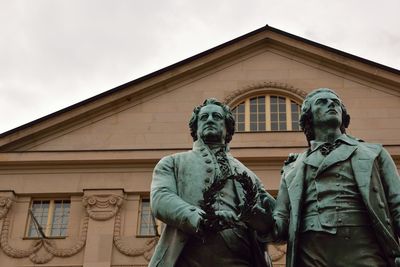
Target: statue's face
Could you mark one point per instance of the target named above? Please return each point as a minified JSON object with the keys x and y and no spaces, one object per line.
{"x":211,"y":124}
{"x":326,"y":110}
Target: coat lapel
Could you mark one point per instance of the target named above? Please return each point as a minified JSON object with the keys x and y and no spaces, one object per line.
{"x":362,"y":164}
{"x":341,"y":153}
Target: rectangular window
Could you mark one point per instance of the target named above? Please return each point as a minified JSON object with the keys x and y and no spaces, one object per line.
{"x":51,"y":215}
{"x":148,"y":224}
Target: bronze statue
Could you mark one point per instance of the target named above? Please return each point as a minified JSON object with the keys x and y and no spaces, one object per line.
{"x":339,"y":201}
{"x":215,"y":209}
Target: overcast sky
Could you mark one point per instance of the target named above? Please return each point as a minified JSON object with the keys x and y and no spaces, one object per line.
{"x":56,"y":53}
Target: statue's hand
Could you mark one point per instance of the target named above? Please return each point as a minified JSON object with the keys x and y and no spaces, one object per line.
{"x":217,"y":221}
{"x":260,"y":218}
{"x":227,"y":217}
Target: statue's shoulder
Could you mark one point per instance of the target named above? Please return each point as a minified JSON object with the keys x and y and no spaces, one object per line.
{"x":376,"y":148}
{"x":176,"y":157}
{"x":290,"y":162}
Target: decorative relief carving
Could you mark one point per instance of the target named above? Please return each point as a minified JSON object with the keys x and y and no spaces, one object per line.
{"x":5,"y":204}
{"x":146,"y":251}
{"x":43,"y":250}
{"x":102,"y":207}
{"x":51,"y":247}
{"x":264,"y":85}
{"x":15,"y":252}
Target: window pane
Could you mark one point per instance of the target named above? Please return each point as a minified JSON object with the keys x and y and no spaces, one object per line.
{"x":60,"y":217}
{"x":295,"y":110}
{"x":40,"y":209}
{"x":238,"y":113}
{"x":258,"y":109}
{"x":261,"y":117}
{"x":147,"y":221}
{"x":241,"y":108}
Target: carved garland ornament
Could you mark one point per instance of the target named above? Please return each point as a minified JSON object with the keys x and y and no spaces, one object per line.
{"x":264,"y":85}
{"x":98,"y":207}
{"x":35,"y":253}
{"x":102,"y":207}
{"x":146,"y":251}
{"x":5,"y":204}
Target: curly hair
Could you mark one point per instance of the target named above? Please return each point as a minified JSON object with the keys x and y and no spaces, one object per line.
{"x":229,"y":119}
{"x":306,"y":120}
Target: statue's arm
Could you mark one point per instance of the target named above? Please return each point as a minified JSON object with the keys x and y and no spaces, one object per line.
{"x":261,"y":218}
{"x":391,"y":182}
{"x":281,"y":212}
{"x":166,"y":205}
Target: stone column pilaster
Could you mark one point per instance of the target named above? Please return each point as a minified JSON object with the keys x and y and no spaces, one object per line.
{"x":102,"y":206}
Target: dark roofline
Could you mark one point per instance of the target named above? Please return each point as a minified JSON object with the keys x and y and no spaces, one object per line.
{"x":330,"y":49}
{"x":190,"y":59}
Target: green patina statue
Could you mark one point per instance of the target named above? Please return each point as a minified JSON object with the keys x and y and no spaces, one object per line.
{"x":215,"y":209}
{"x":339,"y":201}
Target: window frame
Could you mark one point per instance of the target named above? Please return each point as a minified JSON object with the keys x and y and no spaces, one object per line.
{"x":159,"y":224}
{"x":246,"y":101}
{"x":50,"y":217}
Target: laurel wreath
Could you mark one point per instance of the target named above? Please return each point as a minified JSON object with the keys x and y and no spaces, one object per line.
{"x":213,"y":223}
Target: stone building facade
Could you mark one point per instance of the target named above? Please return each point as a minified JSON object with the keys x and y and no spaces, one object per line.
{"x":84,"y":172}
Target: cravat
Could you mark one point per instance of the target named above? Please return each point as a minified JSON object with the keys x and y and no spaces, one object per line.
{"x":327,"y":148}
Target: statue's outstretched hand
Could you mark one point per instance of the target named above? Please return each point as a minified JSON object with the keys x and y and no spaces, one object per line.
{"x":260,"y":218}
{"x":227,"y":217}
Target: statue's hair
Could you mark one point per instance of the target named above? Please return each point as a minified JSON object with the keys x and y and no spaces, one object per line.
{"x":306,"y":120}
{"x":228,"y":116}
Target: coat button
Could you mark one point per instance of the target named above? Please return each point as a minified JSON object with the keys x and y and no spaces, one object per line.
{"x":202,"y":149}
{"x":205,"y":155}
{"x":192,"y":209}
{"x":209,"y":170}
{"x":208,"y":161}
{"x":207,"y":180}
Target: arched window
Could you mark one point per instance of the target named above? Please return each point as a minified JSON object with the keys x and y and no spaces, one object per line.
{"x":267,"y":113}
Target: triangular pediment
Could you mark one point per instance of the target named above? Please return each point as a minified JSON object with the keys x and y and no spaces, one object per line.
{"x":152,"y":112}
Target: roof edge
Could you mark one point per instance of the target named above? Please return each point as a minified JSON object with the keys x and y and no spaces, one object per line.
{"x":191,"y":59}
